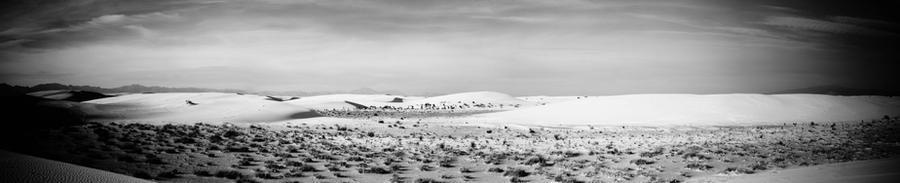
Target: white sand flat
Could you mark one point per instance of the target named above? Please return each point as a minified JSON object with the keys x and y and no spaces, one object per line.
{"x":685,"y":109}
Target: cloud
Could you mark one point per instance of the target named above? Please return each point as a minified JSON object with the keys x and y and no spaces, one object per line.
{"x":101,"y":28}
{"x":841,"y":26}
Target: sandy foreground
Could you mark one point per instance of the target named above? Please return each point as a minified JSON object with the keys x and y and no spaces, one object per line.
{"x":354,"y":150}
{"x":471,"y":137}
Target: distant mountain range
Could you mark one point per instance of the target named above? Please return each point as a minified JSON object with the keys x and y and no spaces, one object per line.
{"x":840,"y":90}
{"x":7,"y":89}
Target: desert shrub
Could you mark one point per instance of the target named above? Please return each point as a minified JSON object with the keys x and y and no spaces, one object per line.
{"x":496,"y":159}
{"x":397,"y":167}
{"x":695,"y":155}
{"x":447,"y":162}
{"x":355,"y":158}
{"x":230,"y":174}
{"x":294,"y":163}
{"x":269,"y":175}
{"x":169,"y":174}
{"x":515,"y":172}
{"x":334,"y":168}
{"x":571,"y":154}
{"x":375,"y":170}
{"x":759,"y":166}
{"x":306,"y":168}
{"x":540,"y":160}
{"x":733,"y":170}
{"x":152,"y":159}
{"x":203,"y":173}
{"x":275,"y":166}
{"x":495,"y":170}
{"x":396,"y":178}
{"x":467,"y":170}
{"x":426,"y":168}
{"x":517,"y":180}
{"x":426,"y":180}
{"x":642,"y":162}
{"x":248,"y":180}
{"x":309,"y":160}
{"x":232,"y":134}
{"x":697,"y":166}
{"x":566,"y":179}
{"x":295,"y":174}
{"x":324,"y":157}
{"x":654,"y":153}
{"x":142,"y":175}
{"x":128,"y":158}
{"x":341,"y":175}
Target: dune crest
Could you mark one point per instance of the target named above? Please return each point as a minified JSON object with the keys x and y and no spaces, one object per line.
{"x":200,"y":107}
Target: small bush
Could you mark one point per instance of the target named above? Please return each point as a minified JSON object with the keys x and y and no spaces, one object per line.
{"x":447,"y":162}
{"x":517,"y":180}
{"x":169,"y":174}
{"x":516,"y":173}
{"x":230,"y":174}
{"x":203,"y":173}
{"x":495,"y":170}
{"x":307,"y":168}
{"x":426,"y":180}
{"x":467,"y":170}
{"x":642,"y":162}
{"x":426,"y":168}
{"x":697,"y":166}
{"x":376,"y":170}
{"x":142,"y":175}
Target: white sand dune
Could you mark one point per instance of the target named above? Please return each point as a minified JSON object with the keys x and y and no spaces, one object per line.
{"x":210,"y":108}
{"x":870,"y":171}
{"x":16,"y":167}
{"x":686,"y":109}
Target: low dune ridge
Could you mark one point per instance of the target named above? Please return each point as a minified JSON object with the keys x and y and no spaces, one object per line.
{"x":337,"y":101}
{"x":23,"y":168}
{"x":686,"y":109}
{"x":69,"y":95}
{"x":340,"y":101}
{"x":200,"y":107}
{"x":482,"y":97}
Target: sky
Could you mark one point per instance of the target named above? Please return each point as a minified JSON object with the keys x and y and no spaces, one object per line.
{"x":520,"y":47}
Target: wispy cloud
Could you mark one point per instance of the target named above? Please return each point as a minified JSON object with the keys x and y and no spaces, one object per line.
{"x":839,"y":25}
